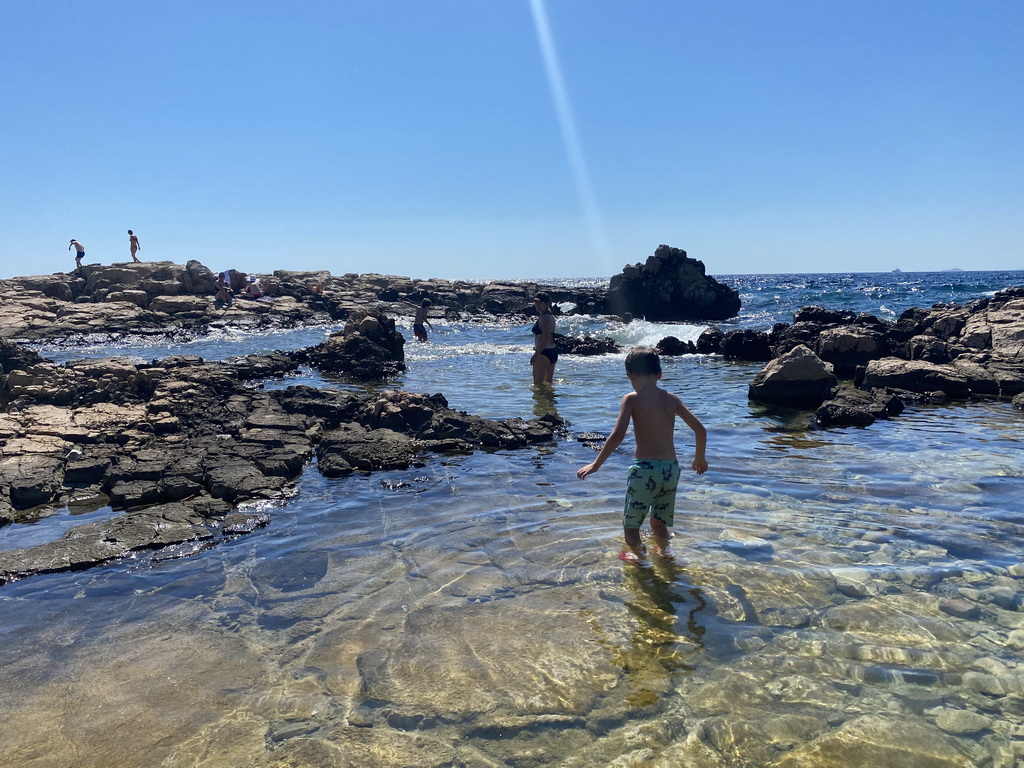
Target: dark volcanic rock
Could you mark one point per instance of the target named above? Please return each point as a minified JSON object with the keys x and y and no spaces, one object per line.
{"x":353,"y":447}
{"x":927,"y":356}
{"x":710,"y":341}
{"x":327,"y":407}
{"x":858,"y":408}
{"x":820,"y":316}
{"x":586,"y":346}
{"x":14,"y":356}
{"x":95,"y":543}
{"x":672,"y":347}
{"x":747,"y":344}
{"x":178,"y":441}
{"x":369,"y":348}
{"x":31,"y":479}
{"x":671,"y":286}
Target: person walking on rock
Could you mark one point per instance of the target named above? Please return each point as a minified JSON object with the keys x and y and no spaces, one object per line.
{"x":79,"y":252}
{"x":133,"y":244}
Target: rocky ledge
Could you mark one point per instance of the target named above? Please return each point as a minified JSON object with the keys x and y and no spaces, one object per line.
{"x":177,"y":445}
{"x":854,"y":369}
{"x":102,"y":303}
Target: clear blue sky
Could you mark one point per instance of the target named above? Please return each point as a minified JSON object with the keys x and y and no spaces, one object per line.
{"x":510,"y":138}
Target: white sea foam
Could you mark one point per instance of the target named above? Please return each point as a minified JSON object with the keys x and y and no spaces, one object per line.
{"x":641,"y":333}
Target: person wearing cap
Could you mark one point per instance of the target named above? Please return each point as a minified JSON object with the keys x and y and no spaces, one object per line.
{"x":79,"y":252}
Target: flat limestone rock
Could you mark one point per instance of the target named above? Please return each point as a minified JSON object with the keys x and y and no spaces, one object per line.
{"x":443,"y":664}
{"x":876,"y":741}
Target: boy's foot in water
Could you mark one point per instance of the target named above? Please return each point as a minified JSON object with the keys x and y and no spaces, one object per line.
{"x":663,"y":553}
{"x":629,"y":556}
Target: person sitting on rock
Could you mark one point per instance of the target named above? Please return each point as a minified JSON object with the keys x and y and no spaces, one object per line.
{"x":253,"y":289}
{"x":225,"y":296}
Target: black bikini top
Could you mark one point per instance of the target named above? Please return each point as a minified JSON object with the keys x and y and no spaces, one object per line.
{"x":536,"y":326}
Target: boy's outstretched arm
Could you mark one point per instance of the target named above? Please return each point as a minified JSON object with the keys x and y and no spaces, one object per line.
{"x":613,"y":441}
{"x":700,"y":436}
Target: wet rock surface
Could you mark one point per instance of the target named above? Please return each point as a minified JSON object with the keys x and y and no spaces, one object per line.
{"x":950,"y":352}
{"x":368,"y":348}
{"x":797,"y":379}
{"x":587,"y":346}
{"x":178,"y":443}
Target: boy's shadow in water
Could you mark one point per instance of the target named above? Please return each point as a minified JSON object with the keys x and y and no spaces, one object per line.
{"x":677,"y":622}
{"x":668,"y":612}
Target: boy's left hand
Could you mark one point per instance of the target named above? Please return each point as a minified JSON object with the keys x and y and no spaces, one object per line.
{"x":582,"y":472}
{"x":699,"y":466}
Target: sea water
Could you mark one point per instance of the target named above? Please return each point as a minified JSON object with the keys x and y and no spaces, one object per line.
{"x":832,"y":587}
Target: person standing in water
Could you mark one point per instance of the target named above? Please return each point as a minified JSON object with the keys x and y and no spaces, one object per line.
{"x":544,"y":353}
{"x":133,"y":244}
{"x":654,"y":474}
{"x":418,"y":328}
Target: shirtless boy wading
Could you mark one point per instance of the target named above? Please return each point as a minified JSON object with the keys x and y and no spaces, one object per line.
{"x":654,"y":474}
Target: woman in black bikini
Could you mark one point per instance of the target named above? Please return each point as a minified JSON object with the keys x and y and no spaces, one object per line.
{"x":545,"y":355}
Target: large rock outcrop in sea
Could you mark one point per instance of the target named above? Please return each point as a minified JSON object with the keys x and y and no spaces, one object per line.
{"x":175,"y":446}
{"x":670,"y":286}
{"x":368,"y":348}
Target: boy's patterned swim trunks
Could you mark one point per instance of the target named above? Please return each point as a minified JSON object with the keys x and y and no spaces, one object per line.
{"x":651,"y":485}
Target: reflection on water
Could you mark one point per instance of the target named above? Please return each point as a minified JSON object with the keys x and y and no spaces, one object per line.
{"x":545,"y":401}
{"x":474,"y":612}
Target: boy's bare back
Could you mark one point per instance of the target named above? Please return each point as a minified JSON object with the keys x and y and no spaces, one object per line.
{"x":653,"y":411}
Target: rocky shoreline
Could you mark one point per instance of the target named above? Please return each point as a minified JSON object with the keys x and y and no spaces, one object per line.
{"x":104,"y":303}
{"x":183,"y":449}
{"x":853,"y":369}
{"x":178,"y":444}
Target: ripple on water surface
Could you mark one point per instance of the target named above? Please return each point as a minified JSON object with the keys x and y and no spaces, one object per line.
{"x":836,"y":592}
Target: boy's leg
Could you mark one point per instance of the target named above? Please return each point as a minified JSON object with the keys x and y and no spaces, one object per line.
{"x":661,"y":536}
{"x":664,"y":506}
{"x":633,"y":544}
{"x":636,"y":506}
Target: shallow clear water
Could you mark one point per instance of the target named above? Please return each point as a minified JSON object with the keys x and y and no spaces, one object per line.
{"x":832,"y":587}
